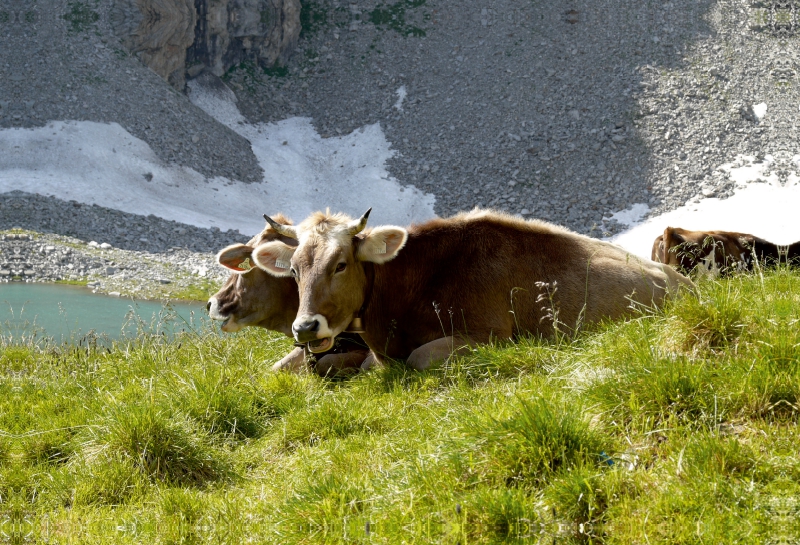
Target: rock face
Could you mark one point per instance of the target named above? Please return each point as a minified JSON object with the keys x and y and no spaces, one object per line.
{"x":182,"y":38}
{"x":231,"y":31}
{"x":159,"y":31}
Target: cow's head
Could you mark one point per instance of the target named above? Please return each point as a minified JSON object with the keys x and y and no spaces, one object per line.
{"x":328,"y":265}
{"x":716,"y":251}
{"x":251,"y":297}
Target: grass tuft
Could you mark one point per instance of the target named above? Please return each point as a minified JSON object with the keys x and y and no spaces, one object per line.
{"x":221,"y":403}
{"x":540,"y":438}
{"x":727,"y":457}
{"x":183,"y":505}
{"x":336,"y":417}
{"x":162,"y":445}
{"x":583,"y":494}
{"x":713,"y":321}
{"x":658,"y":393}
{"x":501,"y":513}
{"x":114,"y":480}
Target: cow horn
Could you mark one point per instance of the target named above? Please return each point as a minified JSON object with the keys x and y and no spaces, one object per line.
{"x":356,"y":226}
{"x":281,"y":229}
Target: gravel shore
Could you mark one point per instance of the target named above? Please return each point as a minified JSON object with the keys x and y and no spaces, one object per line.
{"x":49,"y":240}
{"x":174,"y":274}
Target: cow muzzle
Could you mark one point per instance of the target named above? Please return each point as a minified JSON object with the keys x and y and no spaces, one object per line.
{"x":229,"y":324}
{"x":313,"y":330}
{"x":213,"y":310}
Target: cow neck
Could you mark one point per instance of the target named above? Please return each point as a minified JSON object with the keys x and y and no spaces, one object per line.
{"x":356,"y":325}
{"x":369,"y":273}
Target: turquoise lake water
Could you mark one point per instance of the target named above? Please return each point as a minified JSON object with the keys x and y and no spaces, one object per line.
{"x":66,"y":313}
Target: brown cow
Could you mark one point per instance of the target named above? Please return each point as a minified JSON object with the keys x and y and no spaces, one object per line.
{"x":718,"y":251}
{"x":251,"y":297}
{"x":453,"y":282}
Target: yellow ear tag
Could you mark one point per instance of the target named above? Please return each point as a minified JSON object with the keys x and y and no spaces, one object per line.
{"x":245,"y":265}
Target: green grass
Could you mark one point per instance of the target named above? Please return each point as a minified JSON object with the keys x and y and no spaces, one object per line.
{"x":676,"y":426}
{"x":316,"y":15}
{"x":313,"y":16}
{"x":81,"y":282}
{"x":200,"y":289}
{"x":393,"y":16}
{"x":81,"y":17}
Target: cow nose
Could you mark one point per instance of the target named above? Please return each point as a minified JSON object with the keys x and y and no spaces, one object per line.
{"x":208,"y":306}
{"x":305,"y":331}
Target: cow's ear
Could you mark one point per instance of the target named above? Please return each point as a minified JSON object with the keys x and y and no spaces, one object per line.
{"x":657,"y":252}
{"x":274,"y":257}
{"x":382,"y":244}
{"x":237,"y":257}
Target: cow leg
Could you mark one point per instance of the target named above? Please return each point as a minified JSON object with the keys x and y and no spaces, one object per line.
{"x":437,"y":351}
{"x":349,"y":362}
{"x":293,"y":362}
{"x":372,"y":362}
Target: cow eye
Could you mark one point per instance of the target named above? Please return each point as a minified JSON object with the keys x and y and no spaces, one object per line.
{"x":294,"y":272}
{"x":340,"y":267}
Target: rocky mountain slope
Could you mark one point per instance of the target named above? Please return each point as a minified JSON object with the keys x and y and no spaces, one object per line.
{"x":566,"y":112}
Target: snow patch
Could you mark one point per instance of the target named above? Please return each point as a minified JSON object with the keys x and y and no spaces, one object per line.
{"x":401,"y":96}
{"x":305,"y":172}
{"x":760,"y":110}
{"x":103,"y":164}
{"x":632,"y":215}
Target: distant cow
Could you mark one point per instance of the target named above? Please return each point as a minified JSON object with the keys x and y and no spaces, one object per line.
{"x":717,"y":251}
{"x":453,"y":282}
{"x":251,"y":297}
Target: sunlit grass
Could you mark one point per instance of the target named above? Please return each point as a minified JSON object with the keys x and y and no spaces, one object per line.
{"x":675,"y":426}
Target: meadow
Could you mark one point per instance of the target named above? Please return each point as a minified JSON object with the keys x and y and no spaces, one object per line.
{"x":678,"y":425}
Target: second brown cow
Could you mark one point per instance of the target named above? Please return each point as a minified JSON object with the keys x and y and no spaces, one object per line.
{"x":718,"y":251}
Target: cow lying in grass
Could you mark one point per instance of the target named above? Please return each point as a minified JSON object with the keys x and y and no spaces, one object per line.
{"x":450,"y":283}
{"x":719,"y":252}
{"x":251,"y":297}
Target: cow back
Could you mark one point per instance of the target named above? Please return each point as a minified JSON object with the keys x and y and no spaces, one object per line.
{"x":487,"y":275}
